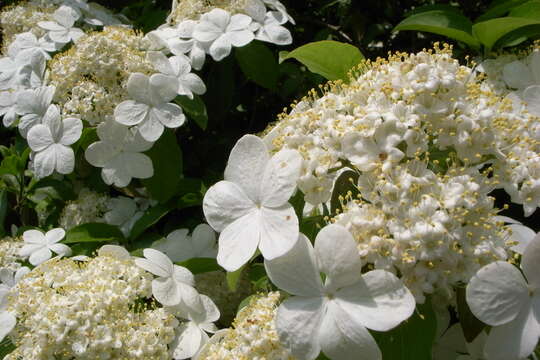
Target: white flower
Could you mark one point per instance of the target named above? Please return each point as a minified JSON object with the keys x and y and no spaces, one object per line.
{"x":184,"y":43}
{"x":191,"y":335}
{"x":223,"y":31}
{"x":26,"y":43}
{"x":51,"y":140}
{"x":150,"y":109}
{"x":9,"y":278}
{"x":61,"y":30}
{"x":31,"y":74}
{"x":333,"y":316}
{"x":180,"y":246}
{"x":250,"y":207}
{"x":267,"y":25}
{"x":174,"y":285}
{"x":7,"y":319}
{"x":281,"y":11}
{"x":39,"y":245}
{"x":522,"y":74}
{"x":500,"y":296}
{"x":10,"y":71}
{"x":123,"y":212}
{"x":33,"y":104}
{"x":119,"y":154}
{"x":8,"y":102}
{"x":520,"y":235}
{"x":179,"y":69}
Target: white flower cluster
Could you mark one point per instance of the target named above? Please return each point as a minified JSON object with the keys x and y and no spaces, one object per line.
{"x":88,"y":310}
{"x":89,"y":207}
{"x":198,"y":28}
{"x":429,"y":141}
{"x":253,"y":334}
{"x":9,"y":253}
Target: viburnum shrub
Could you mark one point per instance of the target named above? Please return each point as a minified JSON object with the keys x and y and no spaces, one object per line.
{"x":379,"y":217}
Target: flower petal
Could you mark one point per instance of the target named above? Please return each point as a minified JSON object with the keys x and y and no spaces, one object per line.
{"x":247,"y":161}
{"x":60,"y":249}
{"x":515,"y":339}
{"x":34,"y":237}
{"x":220,"y":48}
{"x":531,"y":95}
{"x":40,"y":256}
{"x":162,"y":88}
{"x":240,"y":38}
{"x":160,"y":259}
{"x":279,"y":178}
{"x":65,"y":158}
{"x":130,"y":112}
{"x":192,"y":82}
{"x":39,"y":137}
{"x":204,"y":241}
{"x":225,"y":202}
{"x":338,"y":256}
{"x":298,"y":320}
{"x":522,"y":235}
{"x":44,"y":162}
{"x":278,"y":230}
{"x":530,"y":261}
{"x":99,"y":153}
{"x":187,"y":342}
{"x":138,"y":87}
{"x":379,"y":301}
{"x":8,"y":322}
{"x":296,"y":272}
{"x":497,"y":293}
{"x":151,"y":129}
{"x":517,"y":75}
{"x":160,"y":62}
{"x":72,"y":130}
{"x":170,"y":115}
{"x":238,"y":241}
{"x":55,"y":235}
{"x":341,"y":337}
{"x":166,"y":291}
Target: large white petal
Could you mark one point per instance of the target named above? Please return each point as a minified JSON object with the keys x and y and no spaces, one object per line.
{"x":337,"y":256}
{"x":379,"y":301}
{"x":99,"y":153}
{"x":277,"y":34}
{"x":170,"y":115}
{"x":497,"y":293}
{"x":162,"y":88}
{"x":40,"y":256}
{"x":55,"y":235}
{"x":517,"y":75}
{"x":220,"y":48}
{"x":44,"y":162}
{"x":203,"y":240}
{"x":247,"y":161}
{"x":51,"y":26}
{"x":279,"y":230}
{"x":240,"y":38}
{"x":166,"y":291}
{"x":29,"y":249}
{"x":72,"y":131}
{"x":61,"y":249}
{"x":111,"y":131}
{"x":192,"y":82}
{"x":239,"y":22}
{"x":8,"y":322}
{"x":187,"y":342}
{"x":130,"y":112}
{"x":177,"y":245}
{"x":160,"y":62}
{"x":530,"y":262}
{"x":161,"y":260}
{"x":238,"y":241}
{"x":65,"y":158}
{"x":296,"y":272}
{"x":138,"y":87}
{"x":183,"y":275}
{"x":134,"y":142}
{"x":531,"y":95}
{"x":34,"y":237}
{"x":151,"y":129}
{"x":279,"y":178}
{"x":151,"y":267}
{"x":514,"y":340}
{"x":211,"y":311}
{"x":225,"y":202}
{"x":39,"y":137}
{"x":297,"y":322}
{"x":343,"y":338}
{"x":522,"y":235}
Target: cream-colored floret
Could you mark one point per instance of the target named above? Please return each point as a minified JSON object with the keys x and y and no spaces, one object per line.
{"x":193,"y":9}
{"x":89,"y":207}
{"x":9,"y":252}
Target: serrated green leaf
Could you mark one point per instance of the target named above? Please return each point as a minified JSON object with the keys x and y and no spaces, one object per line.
{"x":491,"y":31}
{"x":411,"y":340}
{"x":442,"y":22}
{"x":167,"y":161}
{"x":93,"y":232}
{"x":150,"y":217}
{"x":258,"y":64}
{"x":200,"y":265}
{"x":345,"y":182}
{"x":195,"y":109}
{"x":331,"y":59}
{"x":470,"y":324}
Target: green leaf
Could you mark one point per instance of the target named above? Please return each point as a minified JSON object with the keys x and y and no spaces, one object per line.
{"x":246,"y":302}
{"x":470,"y":324}
{"x":431,"y":7}
{"x":490,"y":31}
{"x":88,"y":136}
{"x":93,"y":232}
{"x":311,"y":226}
{"x":233,"y":278}
{"x":413,"y":339}
{"x":167,"y":160}
{"x":6,"y":347}
{"x":499,"y":8}
{"x":195,"y":109}
{"x":529,"y":10}
{"x":3,"y":211}
{"x":328,"y":58}
{"x":200,"y":265}
{"x":258,"y":64}
{"x":344,"y":183}
{"x":52,"y":189}
{"x":298,"y":202}
{"x":442,"y":22}
{"x":150,"y":217}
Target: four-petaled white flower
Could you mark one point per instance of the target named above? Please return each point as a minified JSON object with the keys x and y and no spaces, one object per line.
{"x":267,"y":25}
{"x":223,"y":31}
{"x":180,"y":246}
{"x":174,"y":284}
{"x":333,"y":315}
{"x":500,"y":296}
{"x":119,"y":154}
{"x":39,"y":246}
{"x":33,"y":104}
{"x":150,"y":109}
{"x":51,"y":142}
{"x":178,"y":69}
{"x":250,"y":207}
{"x":186,"y":44}
{"x":26,"y":43}
{"x":191,"y":335}
{"x":61,"y":30}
